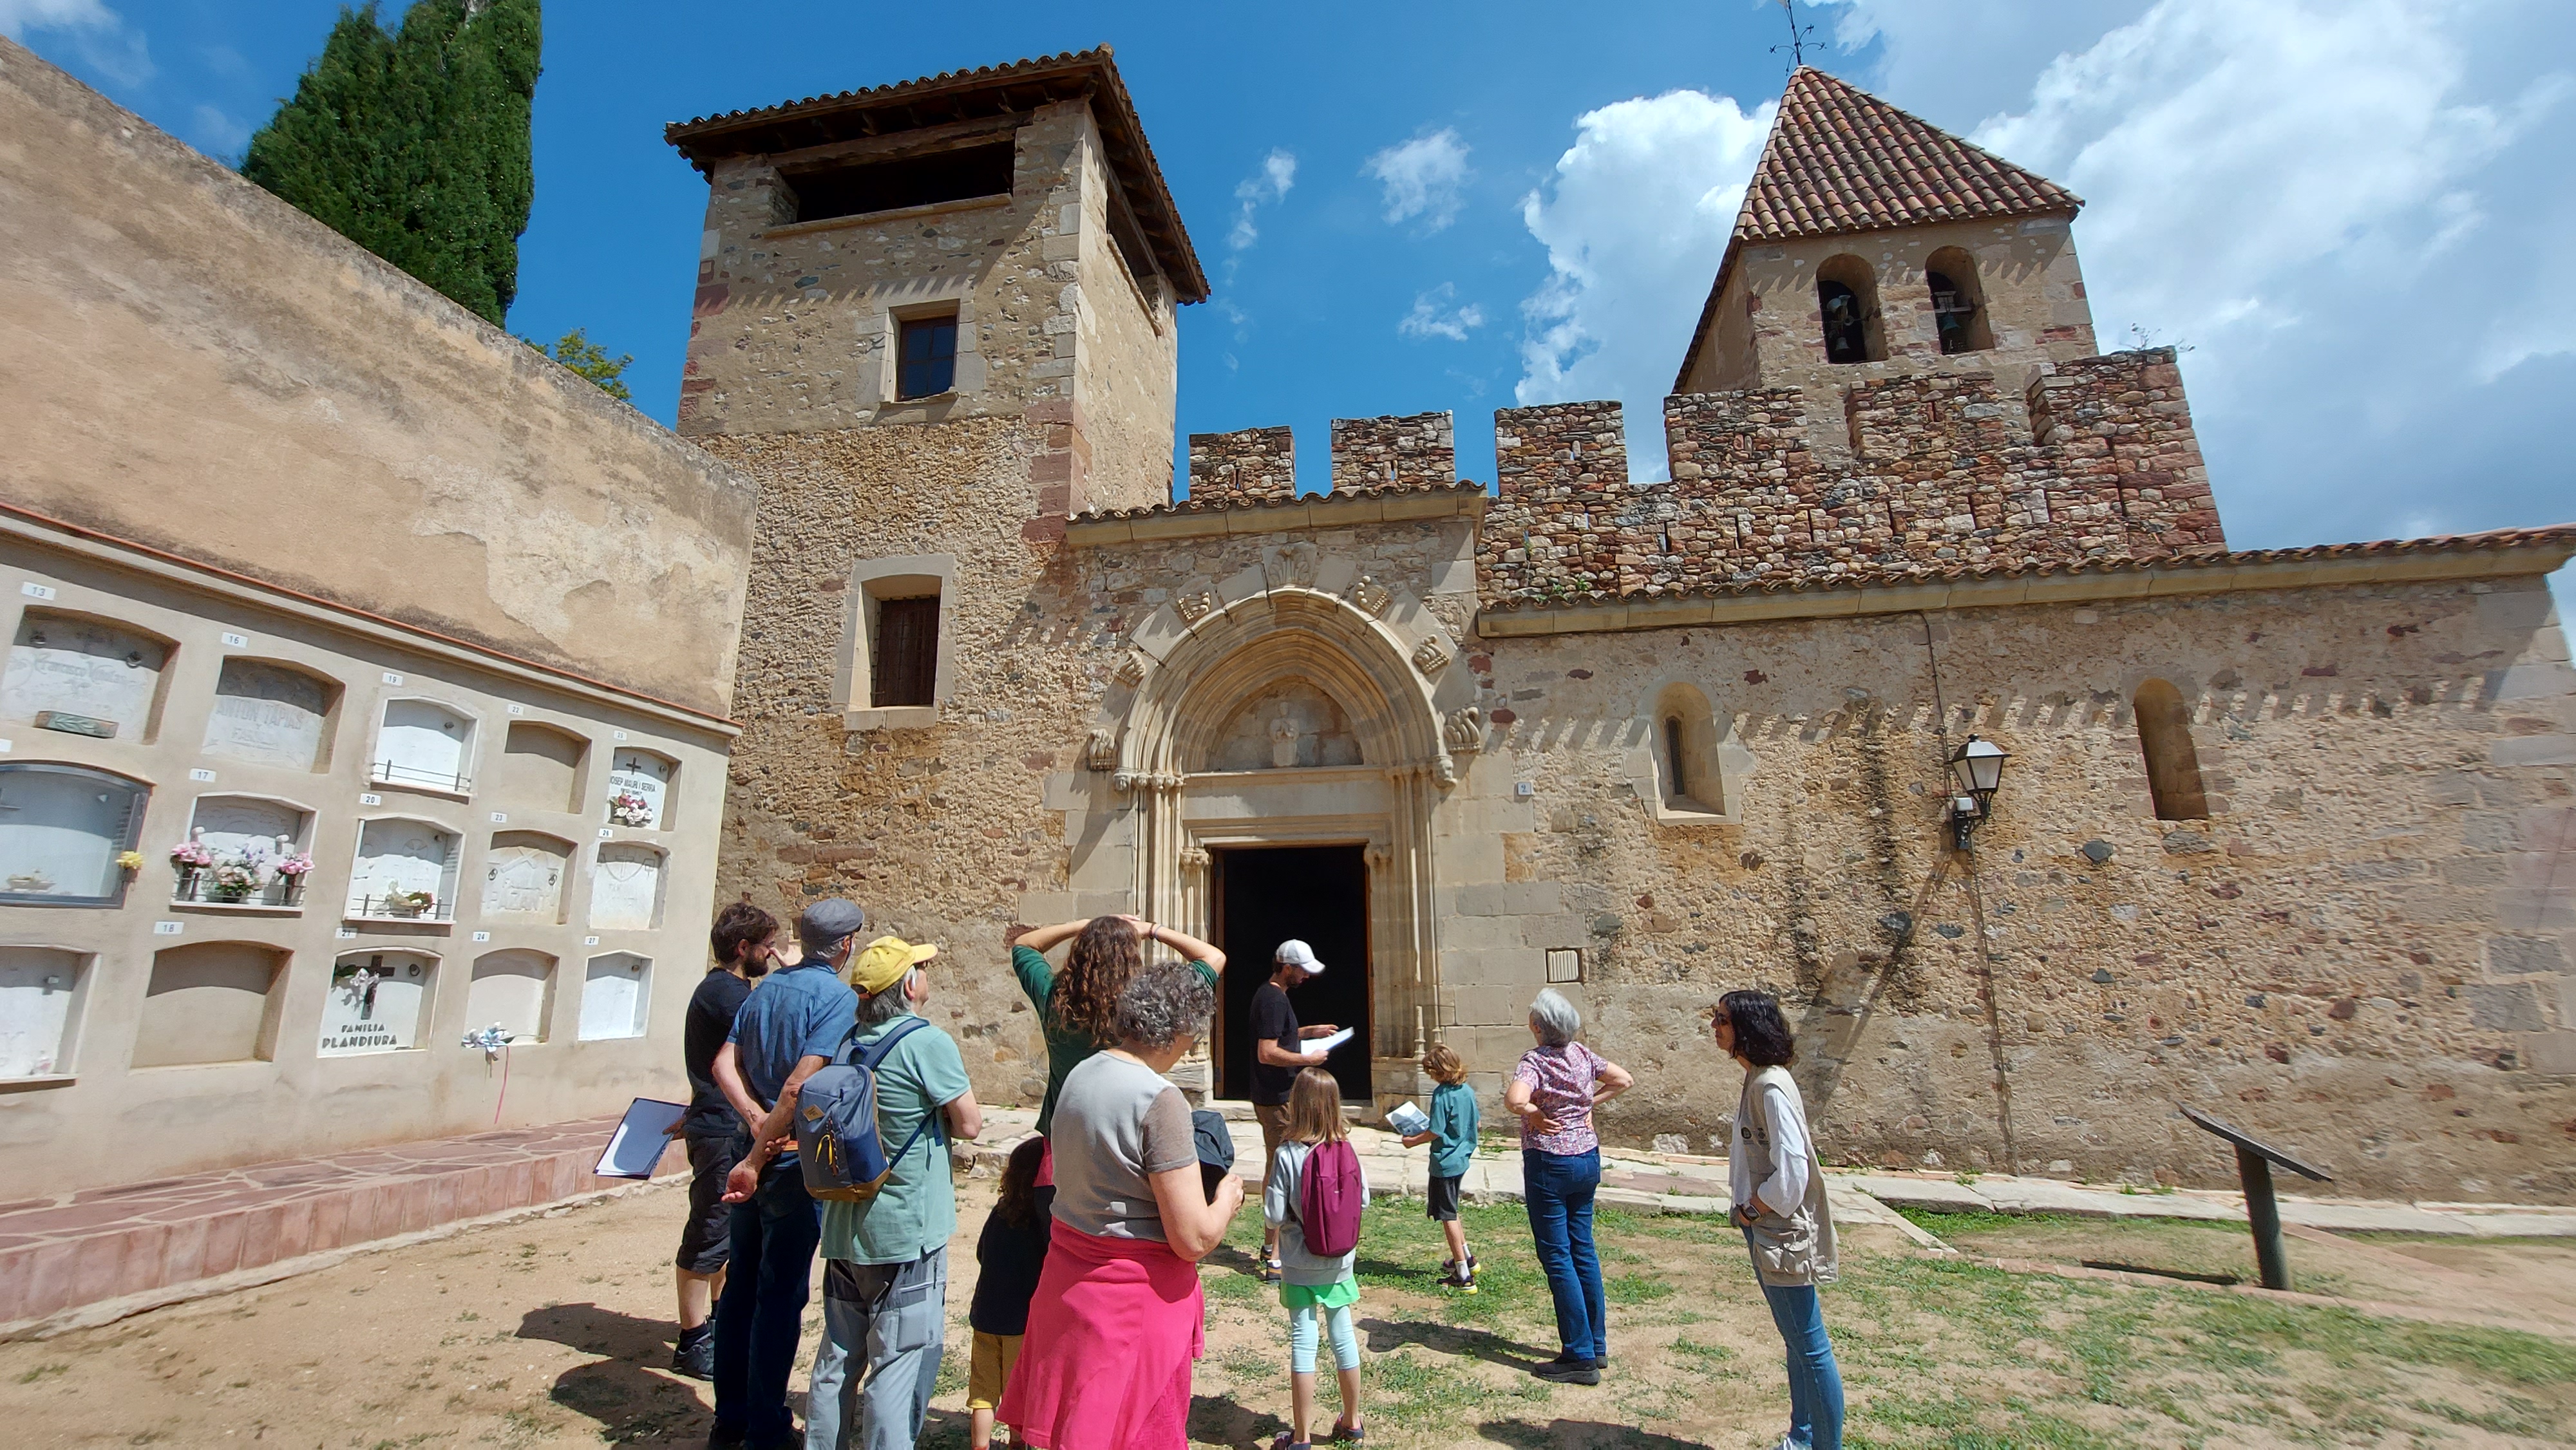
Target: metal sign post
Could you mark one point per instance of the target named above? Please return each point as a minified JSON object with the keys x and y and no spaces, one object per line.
{"x":2254,"y":1162}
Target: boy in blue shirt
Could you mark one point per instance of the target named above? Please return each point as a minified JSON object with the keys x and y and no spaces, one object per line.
{"x":1452,"y":1136}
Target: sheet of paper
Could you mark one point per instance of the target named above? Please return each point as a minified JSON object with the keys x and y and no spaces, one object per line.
{"x":1327,"y":1044}
{"x":1407,"y":1119}
{"x":639,"y":1140}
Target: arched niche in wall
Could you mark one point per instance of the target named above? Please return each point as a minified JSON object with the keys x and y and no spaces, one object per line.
{"x":424,"y":745}
{"x":211,"y":1002}
{"x":514,"y":990}
{"x":83,"y":675}
{"x":640,"y":789}
{"x":400,"y":861}
{"x":541,"y":767}
{"x":246,"y":839}
{"x":1287,"y":724}
{"x":1847,"y":310}
{"x":1685,"y":741}
{"x":61,"y":829}
{"x":616,"y":991}
{"x":626,"y":890}
{"x":379,"y":1001}
{"x":1959,"y":319}
{"x":2173,"y":765}
{"x":524,"y":874}
{"x":41,"y":990}
{"x":272,"y":714}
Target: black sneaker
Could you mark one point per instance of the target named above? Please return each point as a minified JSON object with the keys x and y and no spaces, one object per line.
{"x":695,"y":1355}
{"x":724,"y":1437}
{"x":1565,"y":1371}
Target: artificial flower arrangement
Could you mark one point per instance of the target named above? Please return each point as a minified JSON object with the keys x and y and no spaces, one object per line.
{"x":191,"y":856}
{"x":409,"y":903}
{"x":630,"y":808}
{"x":293,"y":867}
{"x":129,"y":860}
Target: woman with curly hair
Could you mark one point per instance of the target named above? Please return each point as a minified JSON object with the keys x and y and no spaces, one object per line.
{"x":1077,"y":1006}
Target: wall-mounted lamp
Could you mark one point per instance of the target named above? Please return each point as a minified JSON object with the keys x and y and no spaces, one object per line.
{"x":1975,"y":770}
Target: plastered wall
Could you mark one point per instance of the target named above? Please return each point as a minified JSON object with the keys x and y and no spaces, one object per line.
{"x":199,"y":367}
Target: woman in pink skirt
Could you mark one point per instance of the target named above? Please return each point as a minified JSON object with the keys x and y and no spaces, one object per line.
{"x":1118,"y":1318}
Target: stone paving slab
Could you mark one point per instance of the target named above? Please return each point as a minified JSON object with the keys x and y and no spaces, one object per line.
{"x":142,"y":1239}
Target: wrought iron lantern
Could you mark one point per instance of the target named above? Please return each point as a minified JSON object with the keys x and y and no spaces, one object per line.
{"x":1976,"y":770}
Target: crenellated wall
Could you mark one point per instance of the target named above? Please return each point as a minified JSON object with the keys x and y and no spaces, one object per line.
{"x":1941,"y":474}
{"x":1413,"y":451}
{"x":1251,"y":465}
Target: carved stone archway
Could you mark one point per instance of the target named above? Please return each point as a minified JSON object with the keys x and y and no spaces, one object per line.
{"x":1224,"y":655}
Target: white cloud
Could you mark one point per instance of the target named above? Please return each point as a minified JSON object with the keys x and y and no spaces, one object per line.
{"x":1278,"y":173}
{"x":1634,"y":221}
{"x":1422,"y":177}
{"x":97,"y":35}
{"x":1433,"y":316}
{"x":217,"y":134}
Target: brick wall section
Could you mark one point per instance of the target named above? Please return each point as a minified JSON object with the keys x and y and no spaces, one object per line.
{"x":2121,"y":426}
{"x":1942,"y":476}
{"x":1410,"y":451}
{"x":1563,"y":473}
{"x":1253,"y":465}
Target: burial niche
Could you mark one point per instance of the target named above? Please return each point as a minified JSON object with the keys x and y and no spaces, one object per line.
{"x":541,"y":767}
{"x":639,"y":789}
{"x":406,"y":869}
{"x":244,"y":850}
{"x":425,"y":745}
{"x":626,"y":891}
{"x":615,"y":991}
{"x":377,"y":1003}
{"x":210,"y":1002}
{"x":523,"y":875}
{"x":83,"y":676}
{"x":61,"y":830}
{"x":1288,"y":725}
{"x":271,"y":714}
{"x":39,"y":987}
{"x":511,"y":990}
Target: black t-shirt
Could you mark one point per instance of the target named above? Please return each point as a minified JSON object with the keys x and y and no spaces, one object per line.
{"x":1273,"y":1017}
{"x":710,"y":1022}
{"x":1009,"y":1259}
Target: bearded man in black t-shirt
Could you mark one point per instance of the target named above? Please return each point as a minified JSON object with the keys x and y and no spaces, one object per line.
{"x":744,"y":944}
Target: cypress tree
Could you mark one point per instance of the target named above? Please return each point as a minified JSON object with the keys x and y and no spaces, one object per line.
{"x":415,"y":145}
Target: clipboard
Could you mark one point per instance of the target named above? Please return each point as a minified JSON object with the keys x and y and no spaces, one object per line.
{"x":640,"y":1139}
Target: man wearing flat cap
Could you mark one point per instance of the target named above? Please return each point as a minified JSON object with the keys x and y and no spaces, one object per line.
{"x":885,"y":1258}
{"x":784,"y":1033}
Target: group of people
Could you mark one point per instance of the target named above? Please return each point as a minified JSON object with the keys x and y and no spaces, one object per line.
{"x":1087,"y":1313}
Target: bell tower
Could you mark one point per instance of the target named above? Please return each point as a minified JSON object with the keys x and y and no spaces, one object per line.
{"x":1874,"y":244}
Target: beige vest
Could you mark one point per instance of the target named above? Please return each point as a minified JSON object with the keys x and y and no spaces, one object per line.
{"x":1796,"y":1247}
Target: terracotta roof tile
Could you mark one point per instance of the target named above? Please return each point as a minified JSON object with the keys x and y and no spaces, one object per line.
{"x":1842,"y":160}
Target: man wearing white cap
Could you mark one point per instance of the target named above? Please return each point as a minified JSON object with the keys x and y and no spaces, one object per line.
{"x":1276,"y":1063}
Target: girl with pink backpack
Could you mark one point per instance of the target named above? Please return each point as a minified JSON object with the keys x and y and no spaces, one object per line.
{"x":1314,"y":1197}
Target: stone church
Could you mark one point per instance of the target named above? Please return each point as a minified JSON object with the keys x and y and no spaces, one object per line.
{"x":2280,"y":833}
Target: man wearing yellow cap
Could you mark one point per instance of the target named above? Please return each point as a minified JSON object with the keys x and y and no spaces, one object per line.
{"x":885,"y":1259}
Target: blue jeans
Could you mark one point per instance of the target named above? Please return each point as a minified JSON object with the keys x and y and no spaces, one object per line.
{"x":884,"y":1329}
{"x":1558,"y":1189}
{"x":762,"y":1313}
{"x":1815,"y":1381}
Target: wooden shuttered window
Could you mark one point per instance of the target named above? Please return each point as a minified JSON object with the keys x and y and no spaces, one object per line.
{"x":905,"y":662}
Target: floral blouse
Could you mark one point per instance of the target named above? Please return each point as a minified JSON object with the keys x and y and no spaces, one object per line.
{"x":1560,"y":1080}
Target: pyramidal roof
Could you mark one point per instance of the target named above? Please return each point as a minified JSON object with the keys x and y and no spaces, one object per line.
{"x":1842,"y":160}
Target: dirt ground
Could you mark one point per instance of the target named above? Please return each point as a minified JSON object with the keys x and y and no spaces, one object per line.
{"x":556,"y":1331}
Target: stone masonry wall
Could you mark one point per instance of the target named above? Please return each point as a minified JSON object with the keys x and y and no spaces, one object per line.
{"x":1251,"y":465}
{"x":2364,"y":955}
{"x":1564,"y":473}
{"x":1940,"y":476}
{"x":1407,"y":452}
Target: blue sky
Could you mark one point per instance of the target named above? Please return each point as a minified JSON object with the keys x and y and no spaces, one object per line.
{"x":1414,"y":207}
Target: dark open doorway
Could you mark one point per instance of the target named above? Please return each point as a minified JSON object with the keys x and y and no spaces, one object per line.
{"x":1318,"y":894}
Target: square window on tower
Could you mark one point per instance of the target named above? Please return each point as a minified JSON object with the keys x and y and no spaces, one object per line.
{"x":926,"y":363}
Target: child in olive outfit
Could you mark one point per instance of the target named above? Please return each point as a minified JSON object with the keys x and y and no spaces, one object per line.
{"x":1316,"y":1286}
{"x":1452,"y":1136}
{"x":1010,"y":1254}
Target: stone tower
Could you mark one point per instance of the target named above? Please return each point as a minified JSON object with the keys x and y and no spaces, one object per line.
{"x":1873,"y":244}
{"x":995,"y":243}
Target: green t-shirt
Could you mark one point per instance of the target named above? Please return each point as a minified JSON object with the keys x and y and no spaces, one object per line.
{"x":1066,"y":1046}
{"x":916,"y":1211}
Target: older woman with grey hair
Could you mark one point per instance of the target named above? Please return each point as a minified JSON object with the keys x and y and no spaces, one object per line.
{"x":1118,"y":1315}
{"x":1554,"y":1090}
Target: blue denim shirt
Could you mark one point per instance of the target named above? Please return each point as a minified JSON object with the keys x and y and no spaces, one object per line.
{"x":798,"y":1012}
